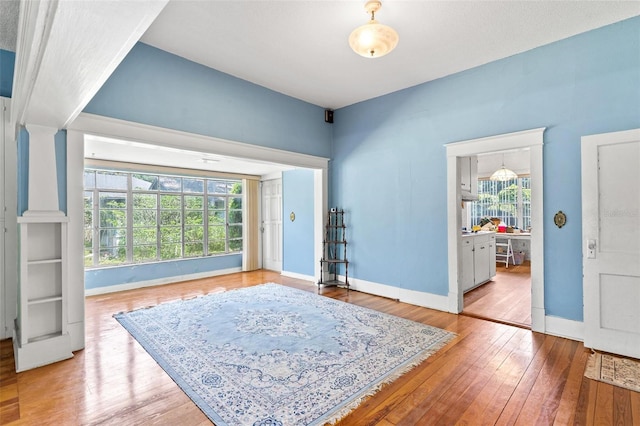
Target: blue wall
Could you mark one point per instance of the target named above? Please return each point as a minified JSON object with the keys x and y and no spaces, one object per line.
{"x":389,"y":163}
{"x":155,"y":87}
{"x":7,"y":63}
{"x":105,"y":277}
{"x":297,"y":240}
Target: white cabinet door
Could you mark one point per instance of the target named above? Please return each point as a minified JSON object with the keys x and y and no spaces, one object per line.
{"x":481,"y":262}
{"x":611,"y":251}
{"x":467,"y":264}
{"x":469,"y":177}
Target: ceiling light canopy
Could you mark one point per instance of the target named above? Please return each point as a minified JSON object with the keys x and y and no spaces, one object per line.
{"x":373,"y":40}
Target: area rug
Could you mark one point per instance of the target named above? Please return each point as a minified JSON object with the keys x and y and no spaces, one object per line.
{"x":615,"y":370}
{"x":271,"y":355}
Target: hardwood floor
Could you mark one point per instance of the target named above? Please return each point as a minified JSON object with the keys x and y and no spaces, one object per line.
{"x":506,"y":298}
{"x":490,"y":374}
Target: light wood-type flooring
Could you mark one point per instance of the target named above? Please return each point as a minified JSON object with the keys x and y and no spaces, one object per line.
{"x":506,"y":298}
{"x":491,"y":373}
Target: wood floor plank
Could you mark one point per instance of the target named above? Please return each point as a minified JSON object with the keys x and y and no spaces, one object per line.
{"x":489,"y":374}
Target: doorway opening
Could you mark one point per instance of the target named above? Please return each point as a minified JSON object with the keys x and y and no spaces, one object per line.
{"x":506,"y":296}
{"x":528,"y":139}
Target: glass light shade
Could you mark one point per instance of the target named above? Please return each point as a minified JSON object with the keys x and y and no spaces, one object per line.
{"x":373,"y":40}
{"x":503,"y":174}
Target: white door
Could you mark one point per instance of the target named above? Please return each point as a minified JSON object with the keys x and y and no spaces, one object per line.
{"x":272,"y":224}
{"x":611,"y":233}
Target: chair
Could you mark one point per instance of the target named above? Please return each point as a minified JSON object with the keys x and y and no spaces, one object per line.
{"x":504,"y":251}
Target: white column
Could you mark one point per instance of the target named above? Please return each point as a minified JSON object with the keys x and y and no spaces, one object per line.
{"x":43,"y":177}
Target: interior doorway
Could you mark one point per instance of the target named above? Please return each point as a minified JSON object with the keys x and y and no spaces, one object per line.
{"x":506,"y":297}
{"x":533,"y":140}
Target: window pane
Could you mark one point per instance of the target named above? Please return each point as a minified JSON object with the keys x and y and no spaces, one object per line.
{"x":170,"y":234}
{"x":171,"y":251}
{"x":194,"y":218}
{"x":216,"y":186}
{"x":144,"y":218}
{"x":170,"y":217}
{"x":235,"y":203}
{"x":170,"y":183}
{"x":170,"y":202}
{"x":88,"y":228}
{"x":144,"y":182}
{"x":145,"y":253}
{"x":193,"y":185}
{"x":113,"y":218}
{"x":217,"y":203}
{"x":145,"y":201}
{"x":217,"y":232}
{"x":216,"y":247}
{"x":235,"y":245}
{"x":194,"y":233}
{"x":193,"y":202}
{"x":217,"y":218}
{"x":235,"y":231}
{"x":89,"y":179}
{"x":111,"y":180}
{"x":235,"y":216}
{"x":113,"y":238}
{"x":235,"y":187}
{"x":193,"y":249}
{"x":113,"y":200}
{"x":144,"y":236}
{"x":113,"y":256}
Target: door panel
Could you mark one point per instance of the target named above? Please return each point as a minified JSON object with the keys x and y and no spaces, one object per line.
{"x":611,"y":232}
{"x":272,"y":224}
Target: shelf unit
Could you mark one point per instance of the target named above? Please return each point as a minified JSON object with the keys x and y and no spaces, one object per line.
{"x":334,"y":251}
{"x":41,"y":335}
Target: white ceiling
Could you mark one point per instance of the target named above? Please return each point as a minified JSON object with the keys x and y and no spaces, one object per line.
{"x":299,"y":48}
{"x":101,"y":148}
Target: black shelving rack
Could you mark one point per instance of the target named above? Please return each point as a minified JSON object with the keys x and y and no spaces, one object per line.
{"x":334,"y":251}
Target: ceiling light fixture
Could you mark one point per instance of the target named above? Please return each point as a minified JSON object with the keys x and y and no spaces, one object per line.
{"x":373,"y":40}
{"x":503,"y":174}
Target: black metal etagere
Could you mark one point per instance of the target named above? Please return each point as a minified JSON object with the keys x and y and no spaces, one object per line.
{"x":334,"y":251}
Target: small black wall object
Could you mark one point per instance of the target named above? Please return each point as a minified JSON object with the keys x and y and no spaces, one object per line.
{"x":328,"y":116}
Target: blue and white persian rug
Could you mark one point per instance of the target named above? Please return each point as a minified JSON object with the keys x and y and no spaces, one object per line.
{"x":272,"y":355}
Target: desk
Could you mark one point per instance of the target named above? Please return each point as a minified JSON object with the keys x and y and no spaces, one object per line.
{"x":520,"y":242}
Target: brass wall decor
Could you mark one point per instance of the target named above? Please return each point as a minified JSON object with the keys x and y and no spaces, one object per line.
{"x":560,"y":219}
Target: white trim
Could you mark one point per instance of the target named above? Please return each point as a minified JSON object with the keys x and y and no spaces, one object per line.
{"x":533,"y":140}
{"x":295,"y":275}
{"x":159,"y":281}
{"x":412,"y":297}
{"x":563,"y":327}
{"x":137,"y":132}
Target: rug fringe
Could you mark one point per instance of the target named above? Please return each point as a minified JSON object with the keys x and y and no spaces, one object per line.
{"x":419,"y":359}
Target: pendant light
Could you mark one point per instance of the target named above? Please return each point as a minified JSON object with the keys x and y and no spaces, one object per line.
{"x":503,"y":174}
{"x":373,"y":40}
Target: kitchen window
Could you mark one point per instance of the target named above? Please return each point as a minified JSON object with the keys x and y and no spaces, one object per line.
{"x":133,"y":218}
{"x":510,"y":201}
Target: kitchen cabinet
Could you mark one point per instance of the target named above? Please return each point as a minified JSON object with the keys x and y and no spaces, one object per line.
{"x":469,"y":178}
{"x":467,"y":263}
{"x":478,"y":259}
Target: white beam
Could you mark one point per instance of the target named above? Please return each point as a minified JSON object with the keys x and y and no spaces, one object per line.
{"x":66,"y":50}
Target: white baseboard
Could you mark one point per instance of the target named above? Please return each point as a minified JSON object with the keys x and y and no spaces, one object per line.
{"x":295,"y":275}
{"x":159,"y":281}
{"x":562,"y":327}
{"x":413,"y":297}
